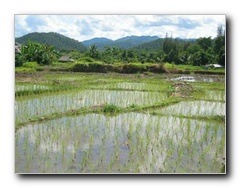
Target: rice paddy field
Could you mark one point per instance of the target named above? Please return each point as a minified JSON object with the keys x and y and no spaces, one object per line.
{"x":120,"y":123}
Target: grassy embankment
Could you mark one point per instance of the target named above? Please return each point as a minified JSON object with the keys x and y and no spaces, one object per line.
{"x":129,"y":68}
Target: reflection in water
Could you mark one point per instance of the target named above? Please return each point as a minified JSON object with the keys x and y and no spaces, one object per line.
{"x":126,"y":143}
{"x":40,"y":106}
{"x":195,"y":108}
{"x":32,"y":87}
{"x":199,"y":78}
{"x":132,"y":86}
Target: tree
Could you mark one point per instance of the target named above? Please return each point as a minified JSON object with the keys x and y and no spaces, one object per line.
{"x":204,"y":43}
{"x":220,"y":31}
{"x":183,"y":58}
{"x":124,"y":56}
{"x":219,"y":46}
{"x":201,"y":58}
{"x":33,"y":51}
{"x":93,"y":53}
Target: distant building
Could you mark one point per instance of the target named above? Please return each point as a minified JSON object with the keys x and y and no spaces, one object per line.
{"x":66,"y":59}
{"x":214,"y":66}
{"x":17,"y":47}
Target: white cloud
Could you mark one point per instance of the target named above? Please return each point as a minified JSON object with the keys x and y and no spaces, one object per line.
{"x":83,"y":27}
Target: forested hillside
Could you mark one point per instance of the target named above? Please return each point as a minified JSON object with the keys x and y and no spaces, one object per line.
{"x":124,"y":43}
{"x":99,"y":42}
{"x":60,"y":42}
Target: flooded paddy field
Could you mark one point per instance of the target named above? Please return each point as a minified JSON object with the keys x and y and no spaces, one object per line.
{"x":116,"y":124}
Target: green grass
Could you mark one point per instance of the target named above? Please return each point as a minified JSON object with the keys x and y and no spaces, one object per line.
{"x":24,"y":70}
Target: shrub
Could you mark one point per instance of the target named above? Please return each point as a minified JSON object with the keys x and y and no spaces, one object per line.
{"x":209,"y":72}
{"x":111,"y":108}
{"x":33,"y":65}
{"x":133,"y":68}
{"x":24,"y":70}
{"x":156,"y":68}
{"x":80,"y":67}
{"x":33,"y":51}
{"x":91,"y":67}
{"x":87,"y":59}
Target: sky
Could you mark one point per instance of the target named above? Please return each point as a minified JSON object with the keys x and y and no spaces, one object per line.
{"x":84,"y":27}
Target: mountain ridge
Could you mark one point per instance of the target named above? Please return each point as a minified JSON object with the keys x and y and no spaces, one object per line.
{"x":60,"y":41}
{"x":124,"y":42}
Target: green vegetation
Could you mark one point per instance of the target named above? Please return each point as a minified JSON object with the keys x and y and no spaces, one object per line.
{"x":111,"y":108}
{"x":177,"y":55}
{"x":121,"y":110}
{"x":61,"y":42}
{"x":35,"y":52}
{"x":117,"y":123}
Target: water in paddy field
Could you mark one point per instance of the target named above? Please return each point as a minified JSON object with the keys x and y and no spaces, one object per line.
{"x":31,"y":87}
{"x":40,"y":106}
{"x":126,"y":143}
{"x":132,"y":86}
{"x":195,"y":108}
{"x":180,"y":138}
{"x":198,"y":78}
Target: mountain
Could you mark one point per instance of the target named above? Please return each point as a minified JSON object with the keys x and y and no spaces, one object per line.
{"x":158,"y":44}
{"x":125,"y":42}
{"x":60,"y":42}
{"x":131,"y":41}
{"x":99,"y":42}
{"x":150,"y":46}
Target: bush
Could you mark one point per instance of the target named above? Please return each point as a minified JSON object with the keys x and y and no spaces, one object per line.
{"x":129,"y":68}
{"x":33,"y":51}
{"x":133,"y":68}
{"x":156,"y":68}
{"x":110,"y":108}
{"x":90,"y":67}
{"x":80,"y":67}
{"x":33,"y":65}
{"x":24,"y":70}
{"x":210,"y":72}
{"x":87,"y":59}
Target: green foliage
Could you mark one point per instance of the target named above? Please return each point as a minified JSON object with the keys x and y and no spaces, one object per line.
{"x":89,"y":67}
{"x":33,"y":65}
{"x":19,"y":59}
{"x":111,"y":108}
{"x":42,"y":54}
{"x":133,"y":106}
{"x":204,"y":43}
{"x":196,"y":52}
{"x":219,"y":49}
{"x":87,"y":59}
{"x":156,"y":68}
{"x":24,"y":70}
{"x":202,"y":58}
{"x":129,"y":68}
{"x":76,"y":55}
{"x":152,"y":46}
{"x":133,"y":68}
{"x":93,"y":53}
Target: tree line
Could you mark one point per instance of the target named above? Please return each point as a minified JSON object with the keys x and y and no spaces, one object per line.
{"x":202,"y":51}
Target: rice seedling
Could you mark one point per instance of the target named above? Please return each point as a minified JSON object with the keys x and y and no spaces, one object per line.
{"x":119,"y":126}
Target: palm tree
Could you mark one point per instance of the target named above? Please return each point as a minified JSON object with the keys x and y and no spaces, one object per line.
{"x":93,"y":51}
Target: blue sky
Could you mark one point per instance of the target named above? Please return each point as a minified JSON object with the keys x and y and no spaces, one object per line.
{"x":84,"y":27}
